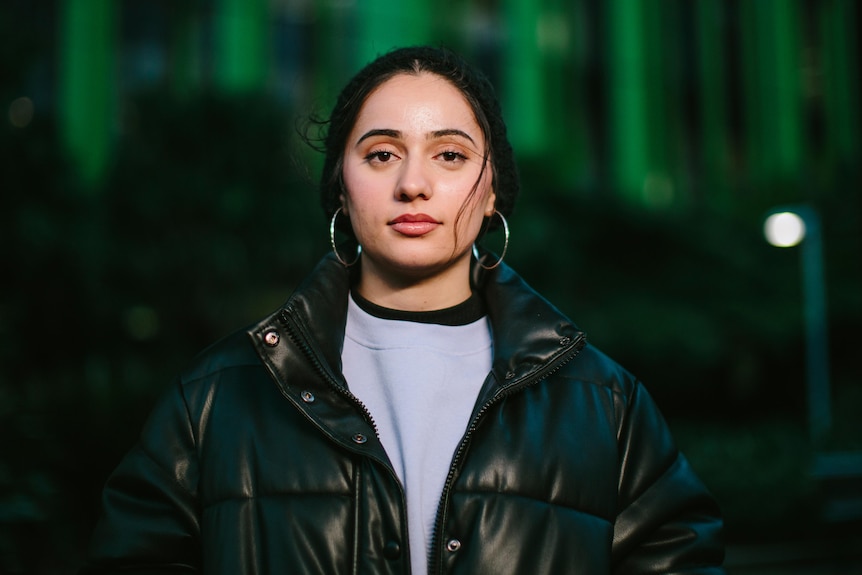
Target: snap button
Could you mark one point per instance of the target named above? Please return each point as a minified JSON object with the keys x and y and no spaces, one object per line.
{"x":453,"y":545}
{"x":565,"y":340}
{"x":392,"y":550}
{"x":307,"y":397}
{"x":359,"y":438}
{"x":271,"y":338}
{"x":510,"y":374}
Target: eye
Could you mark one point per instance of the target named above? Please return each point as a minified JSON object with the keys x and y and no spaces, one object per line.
{"x":452,"y":156}
{"x":379,"y":156}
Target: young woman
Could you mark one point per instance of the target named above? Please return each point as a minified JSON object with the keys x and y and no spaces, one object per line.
{"x":412,"y":408}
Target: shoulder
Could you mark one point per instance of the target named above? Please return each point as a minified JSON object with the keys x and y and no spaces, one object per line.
{"x":232,"y":351}
{"x":594,"y":367}
{"x":233,"y":357}
{"x":221,"y":374}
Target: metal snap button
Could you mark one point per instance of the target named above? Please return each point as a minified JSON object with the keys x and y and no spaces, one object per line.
{"x":453,"y":545}
{"x":359,"y":438}
{"x":510,"y":374}
{"x":392,"y":550}
{"x":271,"y":338}
{"x":307,"y":397}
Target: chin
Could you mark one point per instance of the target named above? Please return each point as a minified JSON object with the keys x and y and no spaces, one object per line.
{"x":427,"y":265}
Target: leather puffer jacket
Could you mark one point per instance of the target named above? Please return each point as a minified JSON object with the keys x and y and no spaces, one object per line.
{"x":260,"y":460}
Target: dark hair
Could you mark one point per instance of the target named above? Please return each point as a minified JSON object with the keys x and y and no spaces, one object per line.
{"x":475,"y":87}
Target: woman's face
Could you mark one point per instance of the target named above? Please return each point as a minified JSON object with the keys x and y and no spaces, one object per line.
{"x":410,"y":164}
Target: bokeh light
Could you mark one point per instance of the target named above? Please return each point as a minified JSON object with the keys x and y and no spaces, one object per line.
{"x":142,"y":322}
{"x":784,"y":229}
{"x":21,"y":112}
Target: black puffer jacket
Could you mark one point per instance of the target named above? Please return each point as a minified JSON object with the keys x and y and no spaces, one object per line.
{"x":259,"y":460}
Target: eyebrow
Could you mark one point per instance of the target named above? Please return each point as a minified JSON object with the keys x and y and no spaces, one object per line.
{"x":379,"y":132}
{"x":431,"y":136}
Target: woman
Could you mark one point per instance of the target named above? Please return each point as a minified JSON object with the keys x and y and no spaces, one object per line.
{"x":411,"y":408}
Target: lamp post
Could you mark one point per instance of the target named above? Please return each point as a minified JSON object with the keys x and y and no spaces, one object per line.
{"x":787,"y":227}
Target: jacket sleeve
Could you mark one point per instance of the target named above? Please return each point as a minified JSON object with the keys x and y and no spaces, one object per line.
{"x":149,"y":520}
{"x":667,"y":521}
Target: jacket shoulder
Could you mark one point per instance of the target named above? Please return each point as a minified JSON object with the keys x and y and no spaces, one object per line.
{"x":595,"y":367}
{"x":235,"y":350}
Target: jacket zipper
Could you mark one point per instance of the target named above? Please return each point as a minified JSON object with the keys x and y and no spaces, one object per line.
{"x":286,"y":320}
{"x":435,"y":558}
{"x":295,"y":337}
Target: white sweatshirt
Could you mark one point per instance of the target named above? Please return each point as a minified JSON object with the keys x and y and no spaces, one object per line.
{"x":419,"y":381}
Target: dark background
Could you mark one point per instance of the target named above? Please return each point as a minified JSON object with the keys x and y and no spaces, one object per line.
{"x":156,"y":196}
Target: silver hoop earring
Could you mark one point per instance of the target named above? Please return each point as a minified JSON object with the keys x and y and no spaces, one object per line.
{"x":332,"y":241}
{"x":505,"y":244}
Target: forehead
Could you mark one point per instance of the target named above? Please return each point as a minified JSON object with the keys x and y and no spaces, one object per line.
{"x":420,"y":101}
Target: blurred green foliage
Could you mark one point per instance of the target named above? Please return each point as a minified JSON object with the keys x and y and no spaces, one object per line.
{"x":203,"y":225}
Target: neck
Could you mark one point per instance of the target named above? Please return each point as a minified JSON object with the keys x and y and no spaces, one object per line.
{"x":441,"y":290}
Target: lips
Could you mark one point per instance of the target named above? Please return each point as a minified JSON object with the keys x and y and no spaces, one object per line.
{"x":414,"y":225}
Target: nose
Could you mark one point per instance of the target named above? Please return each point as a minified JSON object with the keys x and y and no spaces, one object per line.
{"x":413,"y":181}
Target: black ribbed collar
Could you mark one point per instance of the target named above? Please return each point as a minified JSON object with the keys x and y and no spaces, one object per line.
{"x":466,"y":312}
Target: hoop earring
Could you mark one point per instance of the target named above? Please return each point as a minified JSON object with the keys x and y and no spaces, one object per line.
{"x":332,"y":241}
{"x":505,"y":244}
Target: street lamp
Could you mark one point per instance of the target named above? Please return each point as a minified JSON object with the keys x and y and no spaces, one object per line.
{"x":786,"y":227}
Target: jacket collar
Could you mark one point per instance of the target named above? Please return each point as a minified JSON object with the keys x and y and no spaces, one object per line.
{"x":529,"y":333}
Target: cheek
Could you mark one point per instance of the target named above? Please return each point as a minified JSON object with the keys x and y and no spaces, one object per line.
{"x":359,"y":207}
{"x":349,"y":180}
{"x":356,"y":192}
{"x":475,"y":212}
{"x":363,"y":184}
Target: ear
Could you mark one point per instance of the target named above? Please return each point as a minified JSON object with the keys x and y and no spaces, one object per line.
{"x":342,"y":198}
{"x":489,"y":203}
